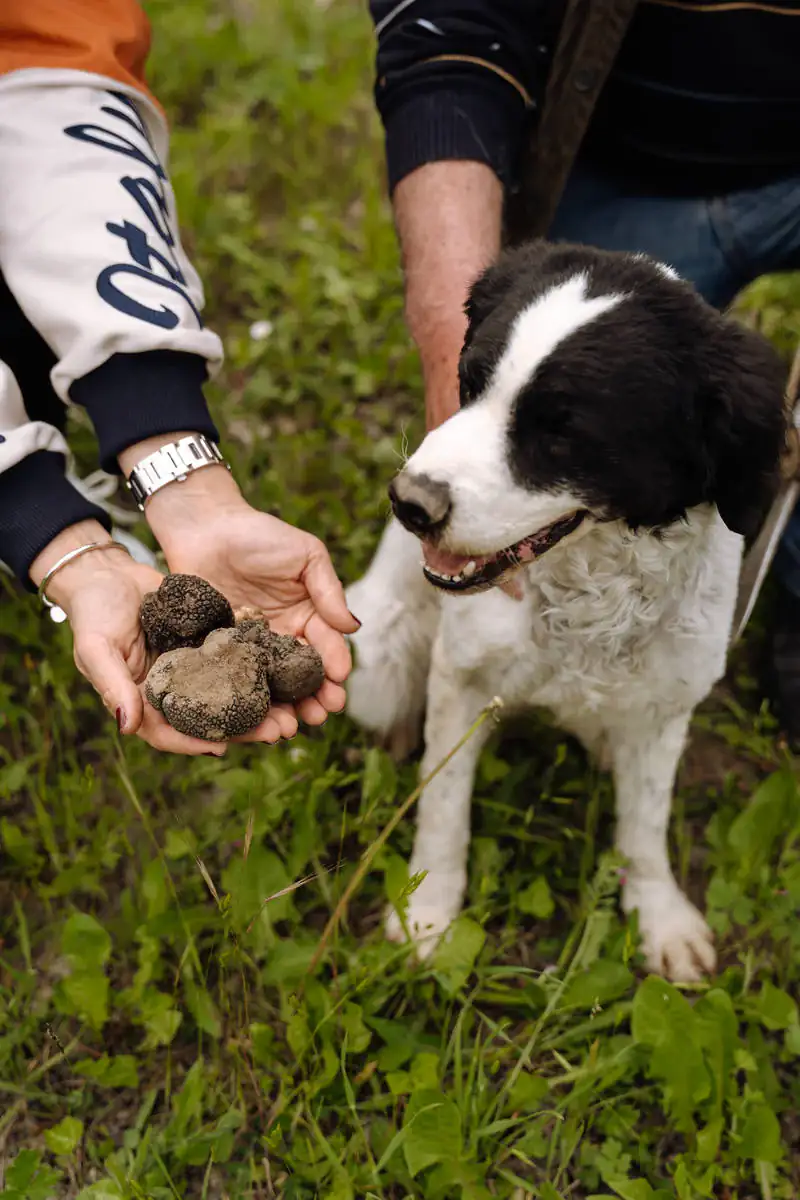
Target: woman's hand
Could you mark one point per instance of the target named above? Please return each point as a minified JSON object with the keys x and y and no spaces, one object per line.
{"x":206,"y":528}
{"x":101,"y":593}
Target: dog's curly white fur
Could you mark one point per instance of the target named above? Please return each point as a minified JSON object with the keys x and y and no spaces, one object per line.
{"x":624,"y":620}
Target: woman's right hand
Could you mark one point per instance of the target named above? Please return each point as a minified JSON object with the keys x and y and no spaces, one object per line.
{"x":101,"y":593}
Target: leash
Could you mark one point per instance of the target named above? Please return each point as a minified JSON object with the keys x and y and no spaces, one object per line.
{"x":759,"y":557}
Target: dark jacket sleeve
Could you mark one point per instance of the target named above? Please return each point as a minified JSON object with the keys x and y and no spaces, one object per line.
{"x":458,"y":79}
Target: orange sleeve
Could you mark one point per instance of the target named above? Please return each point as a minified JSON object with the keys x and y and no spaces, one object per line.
{"x":102,"y":37}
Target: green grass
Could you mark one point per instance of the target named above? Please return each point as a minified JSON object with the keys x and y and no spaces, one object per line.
{"x":162,"y":1031}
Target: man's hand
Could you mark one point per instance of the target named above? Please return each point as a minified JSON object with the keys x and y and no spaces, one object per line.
{"x":449,"y":217}
{"x":206,"y":528}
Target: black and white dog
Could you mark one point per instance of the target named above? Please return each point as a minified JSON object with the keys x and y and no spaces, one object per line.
{"x":581,"y":522}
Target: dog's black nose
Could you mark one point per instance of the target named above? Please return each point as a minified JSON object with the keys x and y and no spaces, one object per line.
{"x":419,"y":503}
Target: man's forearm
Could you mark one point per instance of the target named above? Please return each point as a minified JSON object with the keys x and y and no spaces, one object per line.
{"x":449,"y":218}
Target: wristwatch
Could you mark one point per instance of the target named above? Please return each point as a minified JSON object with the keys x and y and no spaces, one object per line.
{"x":171,"y":464}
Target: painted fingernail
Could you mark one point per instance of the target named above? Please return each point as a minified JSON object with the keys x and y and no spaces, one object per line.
{"x":122,"y":720}
{"x":355,"y":618}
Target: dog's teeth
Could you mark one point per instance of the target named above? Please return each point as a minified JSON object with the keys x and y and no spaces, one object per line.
{"x":470,"y":568}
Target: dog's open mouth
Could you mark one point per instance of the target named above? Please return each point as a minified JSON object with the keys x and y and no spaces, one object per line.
{"x":465,"y":573}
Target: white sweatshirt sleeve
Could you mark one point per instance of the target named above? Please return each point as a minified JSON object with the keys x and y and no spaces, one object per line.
{"x":90,"y":250}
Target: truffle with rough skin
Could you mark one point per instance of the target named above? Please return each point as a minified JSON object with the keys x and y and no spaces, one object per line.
{"x":183,"y":612}
{"x":216,"y":691}
{"x":295,"y":670}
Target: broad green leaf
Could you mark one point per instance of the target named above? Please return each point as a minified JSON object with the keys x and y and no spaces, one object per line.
{"x":718,"y":1037}
{"x":179,"y":843}
{"x":188,"y":1104}
{"x":351,"y":1021}
{"x":760,"y":1137}
{"x":708,"y":1140}
{"x":773,"y":1007}
{"x":21,"y":1171}
{"x":251,"y":883}
{"x":456,"y":953}
{"x":202,"y":1008}
{"x":634,"y":1189}
{"x":154,"y":888}
{"x":772,"y":811}
{"x":402,"y":1042}
{"x":85,"y":995}
{"x":63,"y":1138}
{"x":160,"y":1018}
{"x":116,"y":1072}
{"x":223,"y":1136}
{"x":528,"y":1093}
{"x":600,"y":983}
{"x":262,"y":1040}
{"x":85,"y":943}
{"x":18,"y":845}
{"x":663,"y":1020}
{"x":461,"y":1175}
{"x":424,"y":1071}
{"x":378,"y":782}
{"x":106,"y":1189}
{"x":537,"y":899}
{"x":432,"y":1126}
{"x":792,"y":1039}
{"x":395,"y":878}
{"x":288,"y":961}
{"x":548,"y":1192}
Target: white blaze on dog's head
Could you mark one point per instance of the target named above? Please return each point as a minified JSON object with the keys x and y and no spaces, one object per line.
{"x":595,"y":385}
{"x":469,"y":453}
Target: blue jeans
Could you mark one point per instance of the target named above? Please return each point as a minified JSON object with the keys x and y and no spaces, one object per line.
{"x":719,"y":244}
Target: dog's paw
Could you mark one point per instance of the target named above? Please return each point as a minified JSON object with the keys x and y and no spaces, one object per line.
{"x":426,"y":926}
{"x":676,"y":940}
{"x":431,"y":910}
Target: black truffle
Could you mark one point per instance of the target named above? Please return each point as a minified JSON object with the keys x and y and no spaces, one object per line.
{"x":217,"y":691}
{"x":295,"y":670}
{"x":183,"y":611}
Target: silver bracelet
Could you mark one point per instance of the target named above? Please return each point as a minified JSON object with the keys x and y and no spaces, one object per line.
{"x":57,"y":613}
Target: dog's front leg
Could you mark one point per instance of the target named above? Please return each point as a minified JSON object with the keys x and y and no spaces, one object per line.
{"x":441,"y":845}
{"x":676,"y":940}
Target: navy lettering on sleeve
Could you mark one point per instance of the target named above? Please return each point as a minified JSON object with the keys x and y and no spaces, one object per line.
{"x":151,"y":246}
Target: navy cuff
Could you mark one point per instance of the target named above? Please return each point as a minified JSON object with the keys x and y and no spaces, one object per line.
{"x":479,"y":125}
{"x":36,"y":503}
{"x":136,"y":396}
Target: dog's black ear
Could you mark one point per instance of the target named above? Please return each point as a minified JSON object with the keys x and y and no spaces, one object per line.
{"x":513,"y":271}
{"x":486,"y":293}
{"x":746,"y":423}
{"x":510,"y":270}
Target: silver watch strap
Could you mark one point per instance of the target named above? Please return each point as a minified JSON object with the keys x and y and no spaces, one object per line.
{"x":171,"y":464}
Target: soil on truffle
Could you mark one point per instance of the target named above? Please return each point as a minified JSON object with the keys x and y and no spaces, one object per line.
{"x":295,"y":670}
{"x":215,"y":692}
